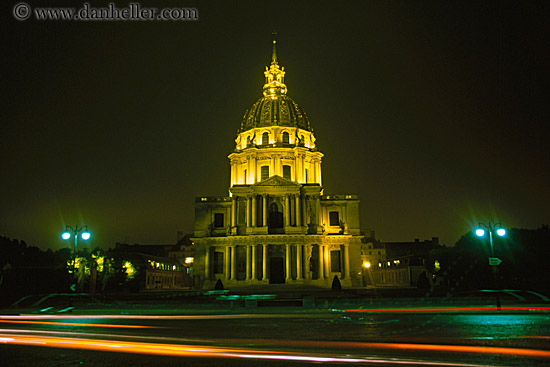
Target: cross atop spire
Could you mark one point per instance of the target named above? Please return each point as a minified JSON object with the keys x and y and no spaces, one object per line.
{"x":274,"y":52}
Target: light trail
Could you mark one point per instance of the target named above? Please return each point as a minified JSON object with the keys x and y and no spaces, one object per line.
{"x":451,"y":309}
{"x":160,"y":317}
{"x":178,"y":350}
{"x":249,"y":342}
{"x":51,"y":323}
{"x":403,"y":346}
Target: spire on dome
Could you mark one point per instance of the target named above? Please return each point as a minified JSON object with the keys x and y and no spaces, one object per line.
{"x":274,"y":76}
{"x":274,"y":52}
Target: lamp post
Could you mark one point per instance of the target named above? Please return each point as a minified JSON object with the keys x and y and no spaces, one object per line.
{"x":493,"y":261}
{"x":70,"y":231}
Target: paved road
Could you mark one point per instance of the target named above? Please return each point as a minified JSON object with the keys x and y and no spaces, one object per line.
{"x":285,"y":336}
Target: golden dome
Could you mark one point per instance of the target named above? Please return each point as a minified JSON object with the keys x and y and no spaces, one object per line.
{"x":275,"y":108}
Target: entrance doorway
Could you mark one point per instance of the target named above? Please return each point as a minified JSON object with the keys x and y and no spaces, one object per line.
{"x":276,"y":270}
{"x":275,"y":219}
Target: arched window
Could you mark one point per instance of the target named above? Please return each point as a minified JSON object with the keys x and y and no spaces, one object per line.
{"x":286,"y":139}
{"x":265,"y":138}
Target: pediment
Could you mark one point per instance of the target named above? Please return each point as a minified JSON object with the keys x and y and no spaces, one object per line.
{"x":277,"y":181}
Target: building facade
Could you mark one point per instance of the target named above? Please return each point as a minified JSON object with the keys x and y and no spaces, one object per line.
{"x":276,"y":226}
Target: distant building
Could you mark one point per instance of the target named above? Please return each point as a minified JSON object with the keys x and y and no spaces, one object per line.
{"x":396,"y":250}
{"x":146,"y":272}
{"x":153,"y":266}
{"x":183,"y":251}
{"x":404,"y":265}
{"x":276,"y":226}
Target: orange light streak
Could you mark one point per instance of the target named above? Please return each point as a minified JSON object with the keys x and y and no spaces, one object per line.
{"x":408,"y":346}
{"x":466,"y":349}
{"x":77,"y":324}
{"x":214,"y":351}
{"x":177,"y":350}
{"x":126,"y":347}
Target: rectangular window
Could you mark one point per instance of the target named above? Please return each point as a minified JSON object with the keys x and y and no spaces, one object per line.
{"x":307,"y":178}
{"x":264,"y":173}
{"x":287,"y":172}
{"x":334,"y":219}
{"x":245,"y":176}
{"x":335,"y":261}
{"x":218,"y":262}
{"x":219,"y":220}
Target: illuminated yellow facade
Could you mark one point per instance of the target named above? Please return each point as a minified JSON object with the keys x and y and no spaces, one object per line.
{"x":275,"y":136}
{"x":276,"y":226}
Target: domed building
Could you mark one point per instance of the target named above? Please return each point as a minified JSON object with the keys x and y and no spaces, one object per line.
{"x":276,"y":226}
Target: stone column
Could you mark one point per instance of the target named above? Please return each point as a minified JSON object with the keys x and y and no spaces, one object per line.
{"x":264,"y":207}
{"x":313,"y":166}
{"x":254,"y":207}
{"x":298,"y":211}
{"x":264,"y":263}
{"x":248,"y":211}
{"x":278,"y":167}
{"x":321,"y":262}
{"x":226,"y":265}
{"x":299,"y":262}
{"x":320,"y":175}
{"x":234,"y":262}
{"x":207,"y":263}
{"x":298,"y":170}
{"x":316,"y":172}
{"x":306,"y":260}
{"x":253,"y":262}
{"x":327,"y":261}
{"x":252,"y":172}
{"x":287,"y":211}
{"x":247,"y":262}
{"x":318,"y":210}
{"x":288,"y":273}
{"x":249,"y":171}
{"x":346,"y":261}
{"x":233,"y":211}
{"x":303,"y":164}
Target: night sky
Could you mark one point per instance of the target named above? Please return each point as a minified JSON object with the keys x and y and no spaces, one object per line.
{"x":435,"y":113}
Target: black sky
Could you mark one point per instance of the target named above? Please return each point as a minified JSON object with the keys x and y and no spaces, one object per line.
{"x":435,"y":113}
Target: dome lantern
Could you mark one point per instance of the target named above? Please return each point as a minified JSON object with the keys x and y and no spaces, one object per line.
{"x":274,"y":77}
{"x":275,"y":108}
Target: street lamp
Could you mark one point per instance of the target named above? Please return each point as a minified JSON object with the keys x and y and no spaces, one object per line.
{"x":73,"y":232}
{"x":493,"y":261}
